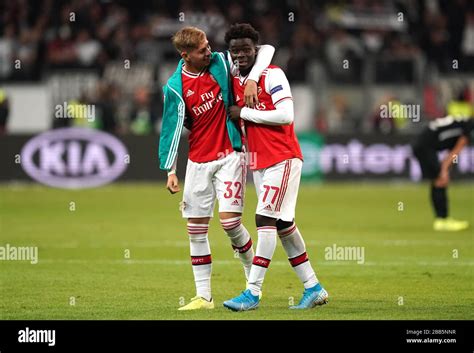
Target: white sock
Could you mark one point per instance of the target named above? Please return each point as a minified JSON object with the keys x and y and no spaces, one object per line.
{"x":295,"y":248}
{"x":265,"y":248}
{"x":200,"y":258}
{"x":241,"y":241}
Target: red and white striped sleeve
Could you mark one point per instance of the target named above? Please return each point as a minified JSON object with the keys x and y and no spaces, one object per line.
{"x":277,"y":86}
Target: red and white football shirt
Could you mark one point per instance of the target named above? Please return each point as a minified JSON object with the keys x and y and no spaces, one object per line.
{"x":268,"y":144}
{"x":208,"y":140}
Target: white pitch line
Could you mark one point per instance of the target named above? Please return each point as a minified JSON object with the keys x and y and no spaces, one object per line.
{"x":391,"y":242}
{"x":309,"y":243}
{"x":274,"y":263}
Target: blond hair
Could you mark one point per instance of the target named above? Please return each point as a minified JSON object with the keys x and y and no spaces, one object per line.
{"x":188,"y":38}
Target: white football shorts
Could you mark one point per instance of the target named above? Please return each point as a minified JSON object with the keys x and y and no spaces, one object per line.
{"x":277,"y":189}
{"x":223,"y":179}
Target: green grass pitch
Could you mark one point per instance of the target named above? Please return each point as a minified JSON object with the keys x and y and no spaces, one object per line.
{"x":409,"y":271}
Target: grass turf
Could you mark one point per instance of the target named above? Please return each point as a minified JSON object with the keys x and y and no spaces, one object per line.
{"x":409,"y":272}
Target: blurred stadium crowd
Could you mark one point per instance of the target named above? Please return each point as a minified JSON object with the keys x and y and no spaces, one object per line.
{"x":347,"y":56}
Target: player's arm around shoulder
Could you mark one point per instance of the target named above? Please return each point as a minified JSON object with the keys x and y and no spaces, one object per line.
{"x":277,"y":86}
{"x":264,"y":58}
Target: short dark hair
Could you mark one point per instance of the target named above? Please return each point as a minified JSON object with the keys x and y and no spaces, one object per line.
{"x":241,"y":30}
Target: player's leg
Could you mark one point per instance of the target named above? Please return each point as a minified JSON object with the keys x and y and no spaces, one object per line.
{"x":239,"y":237}
{"x":289,"y":233}
{"x":272,"y":186}
{"x":429,"y":164}
{"x":229,"y":183}
{"x":295,"y":249}
{"x":293,"y":243}
{"x":197,"y":207}
{"x":270,"y":183}
{"x":430,"y":168}
{"x":439,"y":200}
{"x":267,"y":241}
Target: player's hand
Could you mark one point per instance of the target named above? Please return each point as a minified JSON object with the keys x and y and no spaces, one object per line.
{"x":251,"y":94}
{"x":443,"y":179}
{"x":172,"y":184}
{"x":234,"y":112}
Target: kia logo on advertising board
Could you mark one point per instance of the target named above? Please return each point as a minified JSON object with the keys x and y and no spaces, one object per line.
{"x":74,"y":158}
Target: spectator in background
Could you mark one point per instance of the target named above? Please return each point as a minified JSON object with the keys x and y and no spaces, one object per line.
{"x":380,"y":123}
{"x":147,"y":49}
{"x":4,"y":110}
{"x":455,"y":12}
{"x":60,"y":50}
{"x":106,"y":99}
{"x":462,"y":104}
{"x":373,"y":40}
{"x":432,"y":106}
{"x":310,"y":36}
{"x":435,"y":41}
{"x":340,"y":47}
{"x":235,"y":12}
{"x":8,"y":44}
{"x":268,"y":25}
{"x":206,"y":15}
{"x":397,"y":61}
{"x":302,"y":51}
{"x":27,"y":53}
{"x":337,"y":111}
{"x":87,"y":49}
{"x":143,"y":116}
{"x":115,"y":16}
{"x":468,"y":42}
